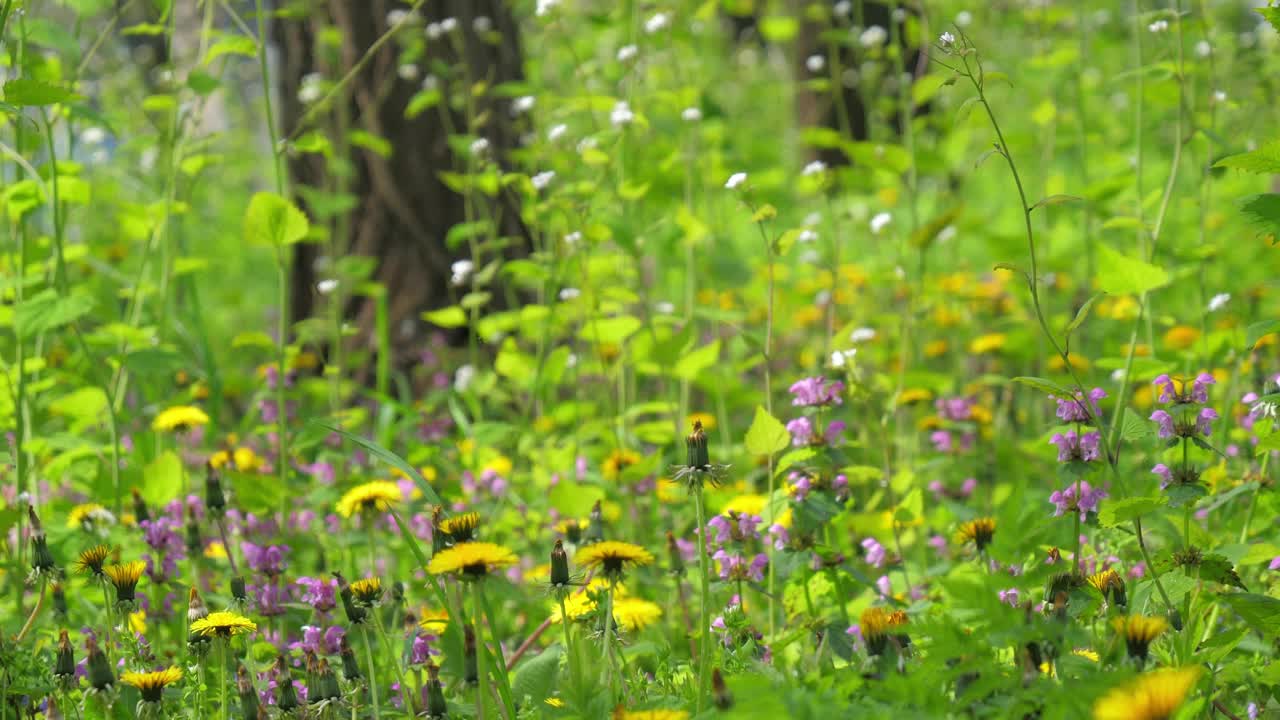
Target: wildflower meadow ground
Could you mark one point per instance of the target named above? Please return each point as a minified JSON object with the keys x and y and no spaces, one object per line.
{"x":651,"y":360}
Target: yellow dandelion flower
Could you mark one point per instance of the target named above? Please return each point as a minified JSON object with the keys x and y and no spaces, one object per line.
{"x":223,"y":624}
{"x":216,"y":550}
{"x":138,"y":622}
{"x":612,"y":556}
{"x":219,"y":459}
{"x":461,"y":528}
{"x":1087,"y":654}
{"x":936,"y":348}
{"x":554,"y":702}
{"x":378,"y":495}
{"x":180,"y":418}
{"x":990,"y":343}
{"x":807,"y":316}
{"x":618,"y":461}
{"x":707,"y":419}
{"x":433,"y":620}
{"x":1155,"y":695}
{"x":910,"y":396}
{"x":367,"y":590}
{"x":90,"y":561}
{"x":634,"y":614}
{"x":152,"y":684}
{"x":876,"y":621}
{"x":1139,"y":632}
{"x":751,"y":504}
{"x":125,"y":578}
{"x":246,"y":460}
{"x":85,"y":515}
{"x":1111,"y":585}
{"x":979,"y":532}
{"x":500,"y":465}
{"x":1078,"y":362}
{"x":580,"y":604}
{"x":1181,"y":337}
{"x":471,"y":560}
{"x":669,"y":491}
{"x":621,"y":714}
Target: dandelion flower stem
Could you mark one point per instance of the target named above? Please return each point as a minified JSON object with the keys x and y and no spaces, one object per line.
{"x":373,"y":672}
{"x":222,"y":685}
{"x":393,"y":652}
{"x":568,"y":638}
{"x":482,"y":678}
{"x":704,"y":609}
{"x":610,"y":667}
{"x":35,"y":611}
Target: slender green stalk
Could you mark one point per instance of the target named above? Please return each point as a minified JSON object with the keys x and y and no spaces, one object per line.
{"x":393,"y":652}
{"x":568,"y":638}
{"x":704,"y":605}
{"x":610,"y":665}
{"x":223,"y":684}
{"x":482,"y":673}
{"x":373,"y":671}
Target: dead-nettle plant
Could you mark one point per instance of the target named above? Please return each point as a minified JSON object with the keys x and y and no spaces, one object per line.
{"x":957,"y":53}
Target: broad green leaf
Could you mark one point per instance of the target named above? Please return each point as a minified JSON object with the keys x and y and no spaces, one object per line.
{"x":1262,"y":210}
{"x":1116,"y":512}
{"x":1133,"y":428}
{"x":450,"y":317}
{"x":1122,"y":275}
{"x":232,"y":45}
{"x":1083,"y":313}
{"x":767,"y":435}
{"x":535,"y":678}
{"x":272,"y":220}
{"x":254,"y":493}
{"x":28,"y":92}
{"x":574,"y":500}
{"x":1265,"y":160}
{"x":1260,"y":611}
{"x":697,"y":360}
{"x":86,"y":403}
{"x":609,"y":331}
{"x":46,"y":311}
{"x":779,"y":28}
{"x":1257,"y":331}
{"x":162,"y":479}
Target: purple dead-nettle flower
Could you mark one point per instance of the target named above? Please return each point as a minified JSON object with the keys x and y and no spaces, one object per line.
{"x":801,"y":430}
{"x":1072,"y":447}
{"x":1186,"y":426}
{"x":1178,"y":393}
{"x":1166,"y":475}
{"x":875,"y":552}
{"x":1009,"y":597}
{"x":1275,"y":563}
{"x":884,"y":585}
{"x":723,"y":527}
{"x":1066,"y":501}
{"x":780,"y":536}
{"x":815,"y":391}
{"x":422,"y":650}
{"x":1078,"y":409}
{"x":268,"y":560}
{"x":801,"y":485}
{"x":1204,"y":421}
{"x":319,"y":593}
{"x":1165,"y":420}
{"x":958,"y":409}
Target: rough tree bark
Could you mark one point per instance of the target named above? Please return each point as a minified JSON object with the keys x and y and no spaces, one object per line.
{"x":402,"y":209}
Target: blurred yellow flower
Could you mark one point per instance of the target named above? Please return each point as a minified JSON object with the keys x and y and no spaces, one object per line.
{"x":936,"y":348}
{"x":1181,"y":337}
{"x":378,"y":495}
{"x":500,"y":465}
{"x":138,"y":622}
{"x":215,"y":551}
{"x":989,"y":343}
{"x":618,"y":461}
{"x":634,"y":614}
{"x":753,"y":504}
{"x":1077,"y":362}
{"x":707,"y":419}
{"x":180,"y":419}
{"x":910,"y":396}
{"x":1156,"y":695}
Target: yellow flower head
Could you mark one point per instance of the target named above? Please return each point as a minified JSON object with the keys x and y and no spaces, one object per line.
{"x":1155,"y":695}
{"x":87,"y":516}
{"x":378,"y":495}
{"x":91,"y":560}
{"x":979,"y":532}
{"x":434,"y":620}
{"x":125,"y":578}
{"x":707,"y":419}
{"x":582,"y":603}
{"x":750,"y":504}
{"x":223,"y":624}
{"x":618,"y":461}
{"x":138,"y":622}
{"x":1181,"y":337}
{"x":612,"y":556}
{"x":180,"y":418}
{"x":669,"y":491}
{"x":246,"y":460}
{"x":910,"y":396}
{"x":1087,"y":654}
{"x":152,"y":684}
{"x":471,"y":560}
{"x":989,"y":343}
{"x":461,"y":528}
{"x":216,"y":550}
{"x":367,"y":590}
{"x":621,"y":714}
{"x":634,"y":614}
{"x":877,"y":622}
{"x":1139,"y":631}
{"x":1111,"y":585}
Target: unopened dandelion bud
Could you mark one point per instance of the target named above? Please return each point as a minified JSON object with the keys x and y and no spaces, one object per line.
{"x":350,"y":665}
{"x":237,"y":589}
{"x":397,"y":593}
{"x":696,"y":446}
{"x":101,"y":676}
{"x":433,"y":694}
{"x":247,"y":692}
{"x":195,"y":543}
{"x":719,"y":691}
{"x":595,"y":525}
{"x":674,"y":559}
{"x":59,"y":600}
{"x":214,"y":498}
{"x":286,"y":695}
{"x":41,"y":559}
{"x":141,"y":512}
{"x":559,"y":565}
{"x":64,"y":665}
{"x":472,"y":675}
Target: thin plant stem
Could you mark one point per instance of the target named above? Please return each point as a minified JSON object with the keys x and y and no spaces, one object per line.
{"x":482,"y":676}
{"x":373,"y":671}
{"x":610,"y":665}
{"x":704,"y":609}
{"x":568,"y":638}
{"x":222,"y":685}
{"x":393,"y":652}
{"x":35,"y":611}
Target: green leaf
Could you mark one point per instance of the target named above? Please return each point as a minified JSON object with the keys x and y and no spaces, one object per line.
{"x":254,"y":493}
{"x":162,"y":479}
{"x":1271,"y":14}
{"x":241,"y":45}
{"x":1262,"y":210}
{"x":1265,"y":160}
{"x":1116,"y":512}
{"x":272,"y":220}
{"x":574,"y":500}
{"x":1260,"y":611}
{"x":697,"y":360}
{"x":46,"y":311}
{"x":1218,"y":568}
{"x":1122,"y":275}
{"x":1048,"y":387}
{"x":389,"y":458}
{"x":1055,"y":200}
{"x":1219,"y":645}
{"x":1083,"y":313}
{"x":29,"y":92}
{"x":535,"y":677}
{"x":86,"y":403}
{"x":609,"y":331}
{"x":779,"y":28}
{"x":450,"y":317}
{"x":766,"y":435}
{"x":1134,"y":428}
{"x":1257,"y":331}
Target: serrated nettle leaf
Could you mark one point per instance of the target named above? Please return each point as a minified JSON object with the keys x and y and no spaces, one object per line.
{"x":273,"y":220}
{"x":1264,"y":160}
{"x":1133,"y":427}
{"x":1260,"y":611}
{"x":1118,"y":274}
{"x":1263,"y":211}
{"x":1259,"y":330}
{"x":29,"y":92}
{"x":767,"y":435}
{"x":1115,"y":512}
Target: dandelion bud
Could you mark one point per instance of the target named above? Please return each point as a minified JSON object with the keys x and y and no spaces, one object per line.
{"x":195,"y":543}
{"x":559,"y":565}
{"x":350,"y":665}
{"x":59,"y":600}
{"x":355,"y":614}
{"x":719,"y":692}
{"x":237,"y":589}
{"x":472,"y":675}
{"x":247,"y":692}
{"x":64,"y":666}
{"x":140,"y":511}
{"x":438,"y":535}
{"x":397,"y":593}
{"x":1175,"y":620}
{"x":696,"y":445}
{"x":100,"y":675}
{"x":286,"y":696}
{"x":433,"y":694}
{"x":674,"y":559}
{"x":195,"y":605}
{"x":213,"y":496}
{"x":41,"y":559}
{"x":326,"y":687}
{"x":595,"y":525}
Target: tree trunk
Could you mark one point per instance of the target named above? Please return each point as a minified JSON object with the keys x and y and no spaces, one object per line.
{"x":399,"y":208}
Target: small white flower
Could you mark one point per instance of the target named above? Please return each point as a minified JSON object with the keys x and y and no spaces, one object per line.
{"x":840,"y":358}
{"x":93,"y":136}
{"x":873,"y":36}
{"x":1158,"y":26}
{"x":1217,"y":302}
{"x":569,"y":293}
{"x":324,"y":287}
{"x":482,"y":24}
{"x":691,"y":114}
{"x":621,"y":114}
{"x":658,"y":22}
{"x":523,"y":104}
{"x":1204,"y":49}
{"x":1219,"y":96}
{"x":946,"y":234}
{"x":807,"y":236}
{"x":542,"y":179}
{"x":572,"y":360}
{"x":810,"y":257}
{"x":815,"y":63}
{"x":573,"y":238}
{"x":557,"y":131}
{"x":430,"y":82}
{"x":817,"y":167}
{"x":862,"y":334}
{"x":842,"y":8}
{"x":822,"y":298}
{"x":449,"y":24}
{"x":463,"y":377}
{"x":964,"y":18}
{"x":813,"y":219}
{"x":946,"y":40}
{"x":664,"y":308}
{"x":627,"y":53}
{"x":408,"y":71}
{"x":879,"y":222}
{"x":1117,"y":375}
{"x":545,"y":6}
{"x":735,"y":180}
{"x":310,"y":90}
{"x":102,"y":516}
{"x":433,"y":31}
{"x":24,"y":498}
{"x":397,"y":16}
{"x":461,"y":271}
{"x":479,"y":146}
